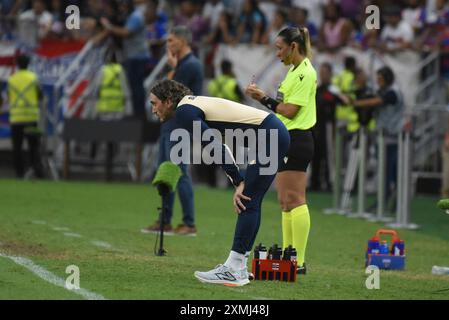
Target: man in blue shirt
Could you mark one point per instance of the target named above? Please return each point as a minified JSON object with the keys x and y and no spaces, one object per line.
{"x":135,"y":52}
{"x":188,"y":70}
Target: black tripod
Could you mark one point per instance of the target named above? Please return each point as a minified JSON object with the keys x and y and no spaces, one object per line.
{"x":164,"y":190}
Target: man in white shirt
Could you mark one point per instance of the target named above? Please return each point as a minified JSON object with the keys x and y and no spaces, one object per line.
{"x":42,"y":17}
{"x":397,"y":34}
{"x":313,"y":7}
{"x":212,"y":11}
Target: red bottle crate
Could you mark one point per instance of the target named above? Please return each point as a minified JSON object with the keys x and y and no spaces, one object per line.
{"x":281,"y":270}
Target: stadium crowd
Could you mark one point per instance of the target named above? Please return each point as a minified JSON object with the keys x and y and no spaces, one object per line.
{"x":333,"y":24}
{"x":418,"y":25}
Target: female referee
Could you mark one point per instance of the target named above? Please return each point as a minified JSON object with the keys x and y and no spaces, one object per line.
{"x":295,"y":106}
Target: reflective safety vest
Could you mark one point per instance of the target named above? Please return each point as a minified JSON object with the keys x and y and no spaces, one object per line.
{"x":111,"y":98}
{"x":23,"y":97}
{"x":345,"y":82}
{"x":224,"y":87}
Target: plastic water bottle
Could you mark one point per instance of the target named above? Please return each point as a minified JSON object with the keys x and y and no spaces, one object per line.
{"x":275,"y":252}
{"x":398,"y":248}
{"x":440,"y":270}
{"x":373,"y":245}
{"x":287,"y":253}
{"x":384,"y":247}
{"x":293,"y":255}
{"x":260,"y":252}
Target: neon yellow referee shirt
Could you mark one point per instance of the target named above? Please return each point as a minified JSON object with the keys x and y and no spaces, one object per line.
{"x":299,"y":88}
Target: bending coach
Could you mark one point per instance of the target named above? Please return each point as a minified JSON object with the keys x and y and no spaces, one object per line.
{"x":295,"y":106}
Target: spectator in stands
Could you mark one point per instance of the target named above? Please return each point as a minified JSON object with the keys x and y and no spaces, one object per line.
{"x":189,"y":15}
{"x":314,"y":8}
{"x":91,"y":13}
{"x":269,"y":9}
{"x":136,"y":53}
{"x":353,"y":9}
{"x":9,"y":10}
{"x":251,"y":23}
{"x":224,"y":32}
{"x":117,"y":13}
{"x":212,"y":11}
{"x":283,"y":3}
{"x":233,"y":7}
{"x":57,"y":12}
{"x":397,"y":34}
{"x":279,"y":23}
{"x":299,"y":17}
{"x":41,"y":16}
{"x":435,"y":23}
{"x":156,"y":30}
{"x":389,"y":109}
{"x":188,"y":70}
{"x":335,"y":31}
{"x":413,"y":15}
{"x":226,"y":85}
{"x":24,"y":95}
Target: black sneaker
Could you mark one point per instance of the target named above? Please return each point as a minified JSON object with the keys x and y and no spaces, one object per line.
{"x":301,"y":269}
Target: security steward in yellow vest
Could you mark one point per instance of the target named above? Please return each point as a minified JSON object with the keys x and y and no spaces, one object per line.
{"x":110,"y":105}
{"x":345,"y":82}
{"x":111,"y":97}
{"x":23,"y":96}
{"x":225,"y":86}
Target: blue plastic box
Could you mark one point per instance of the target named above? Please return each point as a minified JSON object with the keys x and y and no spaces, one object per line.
{"x":385,"y":261}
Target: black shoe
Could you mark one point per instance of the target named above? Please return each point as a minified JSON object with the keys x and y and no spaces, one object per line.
{"x":301,"y":269}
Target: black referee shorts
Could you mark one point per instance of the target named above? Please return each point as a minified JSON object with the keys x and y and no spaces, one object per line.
{"x":300,"y":153}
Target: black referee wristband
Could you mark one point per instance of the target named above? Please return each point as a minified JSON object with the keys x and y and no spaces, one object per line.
{"x":270,"y":103}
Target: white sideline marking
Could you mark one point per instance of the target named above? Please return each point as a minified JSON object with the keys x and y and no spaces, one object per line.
{"x":72,"y":234}
{"x":61,"y":229}
{"x":68,"y":233}
{"x":101,"y":244}
{"x":51,"y":277}
{"x":259,"y":298}
{"x":39,"y":222}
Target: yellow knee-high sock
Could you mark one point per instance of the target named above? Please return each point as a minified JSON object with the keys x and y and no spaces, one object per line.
{"x":286,"y":229}
{"x":300,"y":230}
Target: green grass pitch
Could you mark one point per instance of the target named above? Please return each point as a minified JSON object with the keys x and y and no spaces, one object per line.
{"x":102,"y":223}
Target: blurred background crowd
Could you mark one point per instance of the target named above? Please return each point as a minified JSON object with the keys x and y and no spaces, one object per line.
{"x":333,"y":24}
{"x":411,"y":32}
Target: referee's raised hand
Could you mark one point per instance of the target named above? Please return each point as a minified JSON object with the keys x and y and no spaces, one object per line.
{"x":254,"y":92}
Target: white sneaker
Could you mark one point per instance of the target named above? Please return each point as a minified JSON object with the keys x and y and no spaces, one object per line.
{"x":223,"y":275}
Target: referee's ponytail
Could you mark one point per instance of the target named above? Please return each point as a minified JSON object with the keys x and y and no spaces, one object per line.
{"x":299,"y":35}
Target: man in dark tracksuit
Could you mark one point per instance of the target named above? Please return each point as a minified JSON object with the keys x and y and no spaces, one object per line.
{"x":172,"y":100}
